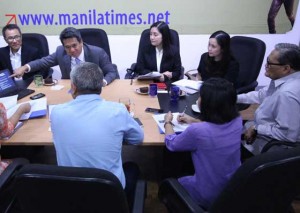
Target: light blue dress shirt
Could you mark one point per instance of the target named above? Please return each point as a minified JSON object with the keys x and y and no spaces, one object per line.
{"x":278,"y":115}
{"x":89,"y":132}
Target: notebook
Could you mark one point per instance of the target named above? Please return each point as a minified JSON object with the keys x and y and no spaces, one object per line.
{"x":8,"y":86}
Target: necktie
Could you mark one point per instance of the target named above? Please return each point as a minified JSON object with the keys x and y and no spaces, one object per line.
{"x":271,"y":88}
{"x":77,"y":60}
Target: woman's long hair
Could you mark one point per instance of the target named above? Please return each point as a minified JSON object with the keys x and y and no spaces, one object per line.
{"x":223,"y":39}
{"x":218,"y":101}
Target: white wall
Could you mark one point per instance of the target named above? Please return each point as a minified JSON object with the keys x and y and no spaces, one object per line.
{"x":124,"y":47}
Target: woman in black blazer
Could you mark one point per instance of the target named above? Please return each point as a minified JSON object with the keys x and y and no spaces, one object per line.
{"x":218,"y":61}
{"x":160,"y":55}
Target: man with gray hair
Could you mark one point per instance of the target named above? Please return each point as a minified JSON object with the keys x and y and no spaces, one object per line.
{"x":89,"y":131}
{"x":277,"y":116}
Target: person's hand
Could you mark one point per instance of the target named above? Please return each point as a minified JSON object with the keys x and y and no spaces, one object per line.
{"x":186,"y":119}
{"x":162,"y":78}
{"x":25,"y":108}
{"x":19,"y":72}
{"x":250,"y":135}
{"x":168,"y":74}
{"x":168,"y":117}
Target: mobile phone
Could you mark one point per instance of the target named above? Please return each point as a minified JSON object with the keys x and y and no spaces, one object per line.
{"x":149,"y":109}
{"x":37,"y":96}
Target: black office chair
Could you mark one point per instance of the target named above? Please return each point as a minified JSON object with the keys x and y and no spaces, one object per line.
{"x":276,"y":143}
{"x":97,"y":37}
{"x":50,"y":188}
{"x":265,"y":183}
{"x":40,"y":42}
{"x":6,"y":180}
{"x":250,"y":53}
{"x":145,"y":41}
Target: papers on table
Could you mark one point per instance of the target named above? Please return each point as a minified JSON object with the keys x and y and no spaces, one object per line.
{"x":188,"y":86}
{"x":150,"y":75}
{"x":178,"y":127}
{"x":38,"y":107}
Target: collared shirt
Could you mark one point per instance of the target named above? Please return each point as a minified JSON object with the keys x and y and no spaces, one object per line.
{"x":278,"y":115}
{"x":15,"y":60}
{"x":159,"y":54}
{"x":81,"y":58}
{"x":215,"y":150}
{"x":89,"y":132}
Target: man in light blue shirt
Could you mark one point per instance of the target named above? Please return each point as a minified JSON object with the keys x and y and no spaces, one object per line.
{"x":89,"y":131}
{"x":278,"y":115}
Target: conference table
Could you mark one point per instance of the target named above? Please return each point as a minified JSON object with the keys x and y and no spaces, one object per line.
{"x":36,"y":132}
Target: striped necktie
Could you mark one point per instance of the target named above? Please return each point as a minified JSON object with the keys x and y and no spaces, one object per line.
{"x":77,"y":60}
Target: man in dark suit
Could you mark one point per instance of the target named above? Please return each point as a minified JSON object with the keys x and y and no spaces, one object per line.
{"x":72,"y":51}
{"x":16,"y":53}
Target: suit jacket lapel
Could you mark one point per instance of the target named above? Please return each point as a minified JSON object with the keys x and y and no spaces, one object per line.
{"x":7,"y":59}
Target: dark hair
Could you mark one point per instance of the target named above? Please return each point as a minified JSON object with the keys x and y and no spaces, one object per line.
{"x":289,"y":54}
{"x":87,"y":77}
{"x":164,"y":29}
{"x":10,"y":27}
{"x":223,"y":39}
{"x":218,"y":101}
{"x":70,"y":32}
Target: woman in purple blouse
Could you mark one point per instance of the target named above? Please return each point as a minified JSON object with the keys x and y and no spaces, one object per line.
{"x":214,"y":141}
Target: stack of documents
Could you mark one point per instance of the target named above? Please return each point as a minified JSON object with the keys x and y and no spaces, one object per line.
{"x":38,"y":107}
{"x":188,"y":86}
{"x":150,"y":75}
{"x":178,"y":127}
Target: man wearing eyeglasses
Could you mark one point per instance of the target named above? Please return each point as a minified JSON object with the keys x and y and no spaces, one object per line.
{"x":278,"y":115}
{"x":73,"y":51}
{"x":16,"y":53}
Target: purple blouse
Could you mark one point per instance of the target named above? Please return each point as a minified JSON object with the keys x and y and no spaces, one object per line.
{"x":215,"y":150}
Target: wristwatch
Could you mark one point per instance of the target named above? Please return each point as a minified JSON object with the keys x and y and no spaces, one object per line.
{"x":255,"y":129}
{"x":168,"y":122}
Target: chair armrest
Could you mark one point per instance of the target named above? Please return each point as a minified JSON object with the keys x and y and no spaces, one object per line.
{"x":272,"y":143}
{"x":8,"y":173}
{"x":176,"y":198}
{"x":247,"y":88}
{"x":139,"y":196}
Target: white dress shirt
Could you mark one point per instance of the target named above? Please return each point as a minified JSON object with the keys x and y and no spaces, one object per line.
{"x":159,"y":54}
{"x":15,"y":60}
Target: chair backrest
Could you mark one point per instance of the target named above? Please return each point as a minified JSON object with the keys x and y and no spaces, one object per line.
{"x":265,"y":183}
{"x":6,"y":180}
{"x":40,"y":42}
{"x":249,"y":52}
{"x":50,"y":188}
{"x":96,"y":37}
{"x":145,"y":39}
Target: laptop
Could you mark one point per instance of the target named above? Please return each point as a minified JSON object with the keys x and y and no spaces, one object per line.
{"x":8,"y":86}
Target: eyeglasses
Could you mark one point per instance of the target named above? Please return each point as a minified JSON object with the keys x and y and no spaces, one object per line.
{"x":71,"y":46}
{"x":12,"y":38}
{"x":269,"y":64}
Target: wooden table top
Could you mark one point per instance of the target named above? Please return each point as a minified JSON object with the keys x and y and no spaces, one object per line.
{"x":37,"y":131}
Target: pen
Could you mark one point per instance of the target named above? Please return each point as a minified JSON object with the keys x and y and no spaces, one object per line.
{"x":131,"y":80}
{"x":182,"y":114}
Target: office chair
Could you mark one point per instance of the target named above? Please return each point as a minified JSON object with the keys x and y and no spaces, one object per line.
{"x":97,"y":37}
{"x":274,"y":143}
{"x":6,"y":180}
{"x":250,"y":53}
{"x":40,"y":42}
{"x":145,"y":41}
{"x":51,"y":188}
{"x":265,"y":183}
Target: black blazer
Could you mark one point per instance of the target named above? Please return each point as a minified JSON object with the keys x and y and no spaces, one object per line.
{"x":146,"y":62}
{"x":28,"y":54}
{"x":231,"y":73}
